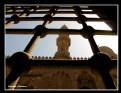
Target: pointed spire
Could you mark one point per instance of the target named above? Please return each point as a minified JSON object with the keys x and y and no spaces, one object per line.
{"x":63,"y":35}
{"x":64,"y":27}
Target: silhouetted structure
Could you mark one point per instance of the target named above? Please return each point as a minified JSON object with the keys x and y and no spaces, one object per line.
{"x":63,"y":43}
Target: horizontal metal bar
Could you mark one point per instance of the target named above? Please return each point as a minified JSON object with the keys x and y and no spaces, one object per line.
{"x":60,"y":19}
{"x":61,"y":62}
{"x":57,"y":12}
{"x":45,"y":7}
{"x":41,"y":7}
{"x":57,"y":31}
{"x":55,"y":62}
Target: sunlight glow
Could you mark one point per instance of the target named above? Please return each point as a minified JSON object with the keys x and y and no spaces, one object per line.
{"x":70,"y":25}
{"x":91,"y":15}
{"x":65,"y":15}
{"x":65,"y":10}
{"x":15,"y":43}
{"x":42,"y":10}
{"x":79,"y":47}
{"x":36,"y":15}
{"x":26,"y":24}
{"x":99,"y":25}
{"x":105,"y":40}
{"x":46,"y":46}
{"x":87,"y":10}
{"x":8,"y":15}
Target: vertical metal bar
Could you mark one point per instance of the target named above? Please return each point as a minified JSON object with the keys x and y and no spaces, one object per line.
{"x":35,"y":38}
{"x":93,"y":44}
{"x":14,"y":75}
{"x":101,"y":62}
{"x":28,"y":49}
{"x":107,"y":80}
{"x":31,"y":44}
{"x":9,"y":23}
{"x":88,"y":33}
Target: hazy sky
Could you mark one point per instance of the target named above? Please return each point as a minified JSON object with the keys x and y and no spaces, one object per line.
{"x":80,"y":47}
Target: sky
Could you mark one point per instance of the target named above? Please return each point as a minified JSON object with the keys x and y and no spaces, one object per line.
{"x":79,"y":47}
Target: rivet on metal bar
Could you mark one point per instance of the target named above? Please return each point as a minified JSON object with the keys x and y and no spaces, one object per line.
{"x":81,"y":19}
{"x":48,"y":17}
{"x":53,"y":10}
{"x":77,"y":10}
{"x":87,"y":31}
{"x":13,"y":8}
{"x":15,"y":18}
{"x":19,"y":63}
{"x":41,"y":31}
{"x":34,"y":7}
{"x":27,"y":12}
{"x":55,"y":7}
{"x":101,"y":62}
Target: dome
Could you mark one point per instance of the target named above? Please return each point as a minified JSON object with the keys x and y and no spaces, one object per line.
{"x":108,"y":51}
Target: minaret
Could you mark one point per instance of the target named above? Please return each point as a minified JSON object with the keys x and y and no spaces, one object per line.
{"x":63,"y":43}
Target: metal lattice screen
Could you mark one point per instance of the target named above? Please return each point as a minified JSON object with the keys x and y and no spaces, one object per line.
{"x":23,"y":13}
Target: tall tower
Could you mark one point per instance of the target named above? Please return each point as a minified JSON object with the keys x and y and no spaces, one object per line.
{"x":63,"y":43}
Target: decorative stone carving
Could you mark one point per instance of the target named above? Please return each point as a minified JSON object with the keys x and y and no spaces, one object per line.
{"x":85,"y":80}
{"x":60,"y":80}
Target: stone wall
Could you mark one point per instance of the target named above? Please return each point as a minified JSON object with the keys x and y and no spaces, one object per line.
{"x":60,"y":77}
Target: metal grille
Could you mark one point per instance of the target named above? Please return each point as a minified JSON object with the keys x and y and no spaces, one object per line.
{"x":21,"y":13}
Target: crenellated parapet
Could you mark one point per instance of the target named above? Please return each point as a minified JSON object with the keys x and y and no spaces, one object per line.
{"x":41,"y":58}
{"x":51,"y":58}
